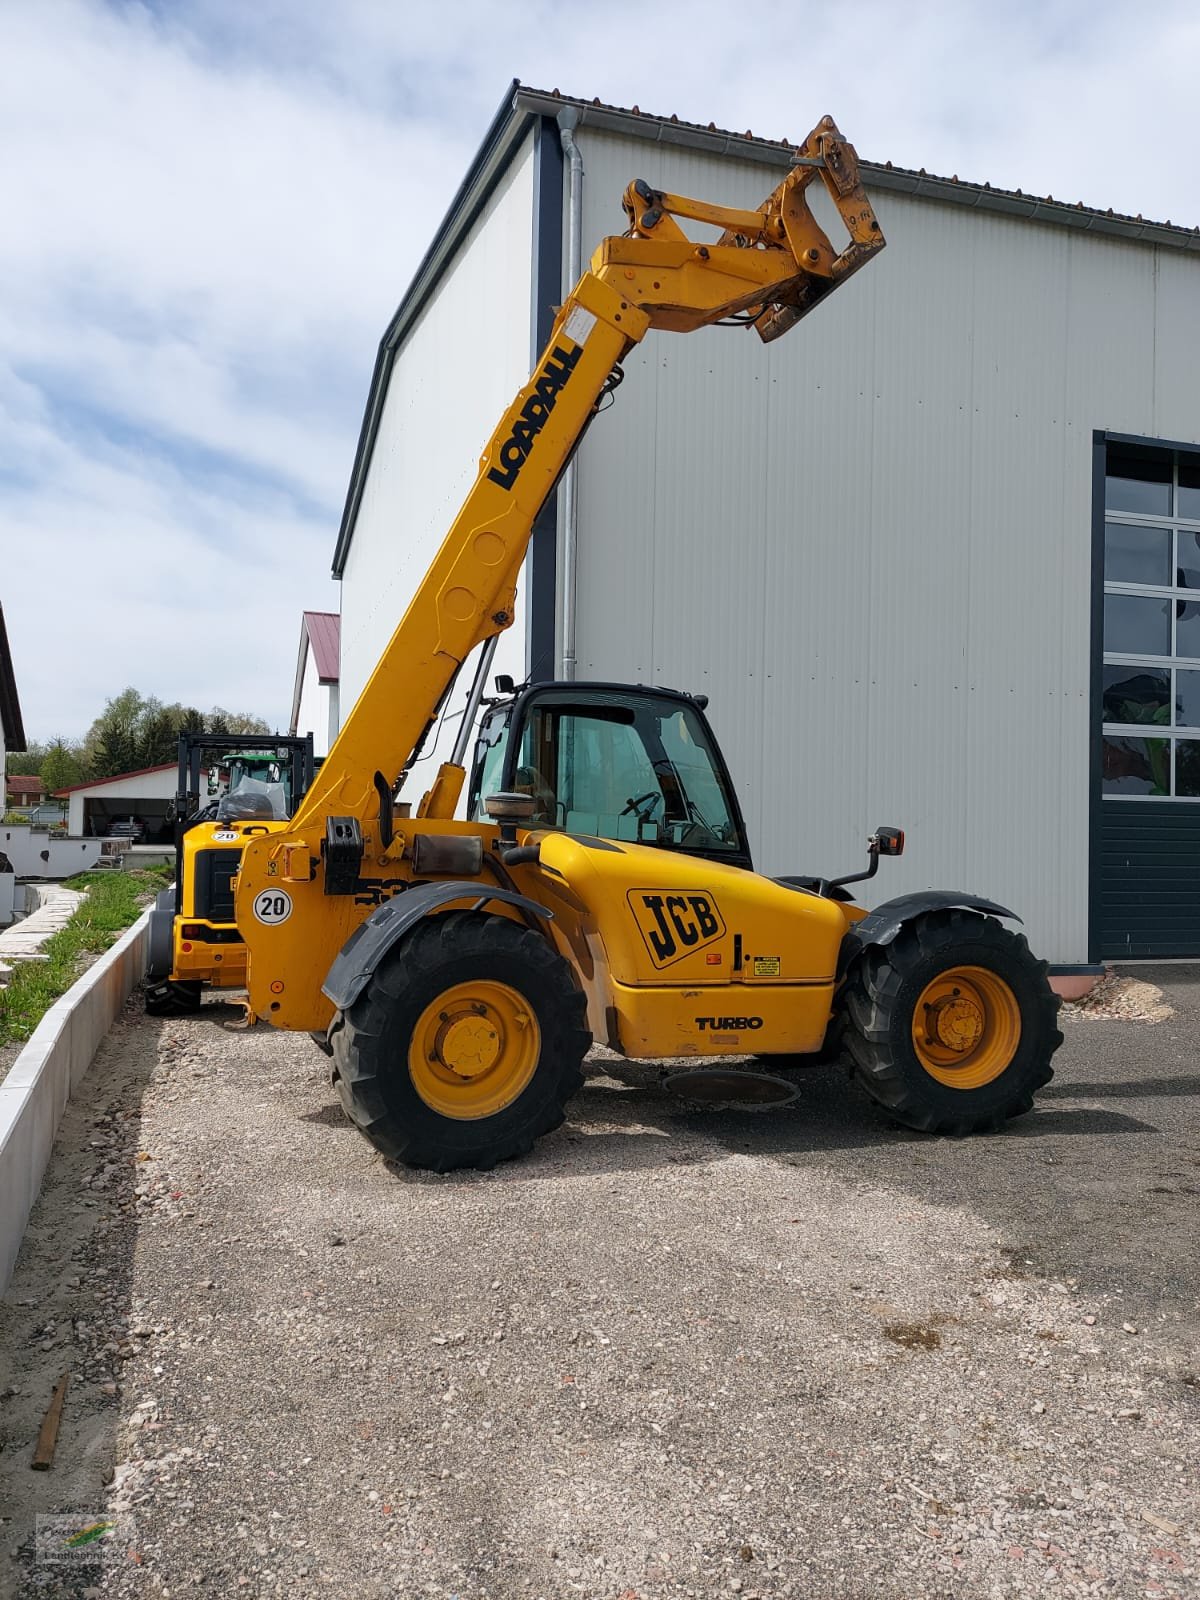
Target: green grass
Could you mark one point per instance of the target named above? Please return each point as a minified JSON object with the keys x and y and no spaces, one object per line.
{"x":114,"y":901}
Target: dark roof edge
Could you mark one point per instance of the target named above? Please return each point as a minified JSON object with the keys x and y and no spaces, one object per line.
{"x":10,"y":705}
{"x":500,"y":142}
{"x":927,"y":186}
{"x":520,"y":106}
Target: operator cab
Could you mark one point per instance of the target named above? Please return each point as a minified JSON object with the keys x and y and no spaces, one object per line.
{"x":612,"y":761}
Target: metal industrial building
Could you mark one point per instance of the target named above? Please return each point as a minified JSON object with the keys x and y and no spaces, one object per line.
{"x":879,"y":546}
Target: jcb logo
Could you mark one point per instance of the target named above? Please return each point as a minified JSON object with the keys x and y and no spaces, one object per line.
{"x":675,"y":925}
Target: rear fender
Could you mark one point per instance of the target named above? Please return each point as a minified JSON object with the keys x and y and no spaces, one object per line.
{"x":880,"y":927}
{"x":371,"y":940}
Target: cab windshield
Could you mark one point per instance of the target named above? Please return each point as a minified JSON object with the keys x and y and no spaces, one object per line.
{"x":637,"y":767}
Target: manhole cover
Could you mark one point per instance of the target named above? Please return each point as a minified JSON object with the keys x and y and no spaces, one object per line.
{"x":722,"y":1086}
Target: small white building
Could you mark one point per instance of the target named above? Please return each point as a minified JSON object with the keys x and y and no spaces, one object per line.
{"x":933,"y":556}
{"x":315,"y":692}
{"x":144,"y":796}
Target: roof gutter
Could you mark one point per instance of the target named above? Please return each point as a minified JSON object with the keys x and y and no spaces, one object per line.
{"x":884,"y":176}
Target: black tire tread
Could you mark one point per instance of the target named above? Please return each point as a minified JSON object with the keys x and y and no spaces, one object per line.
{"x":364,"y":1056}
{"x":875,"y":1031}
{"x":167,"y":998}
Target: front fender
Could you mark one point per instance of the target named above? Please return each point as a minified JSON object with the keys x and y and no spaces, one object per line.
{"x":371,"y":940}
{"x":880,"y":927}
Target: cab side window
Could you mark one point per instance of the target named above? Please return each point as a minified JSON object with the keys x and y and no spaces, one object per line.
{"x":587,"y":772}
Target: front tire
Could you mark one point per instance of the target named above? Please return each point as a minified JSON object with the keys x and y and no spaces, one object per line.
{"x":952,"y":1026}
{"x":464,"y":1047}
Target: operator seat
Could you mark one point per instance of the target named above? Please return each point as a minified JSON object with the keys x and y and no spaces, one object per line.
{"x":528,"y":780}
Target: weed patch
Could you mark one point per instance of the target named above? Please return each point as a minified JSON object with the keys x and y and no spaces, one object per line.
{"x":114,"y":901}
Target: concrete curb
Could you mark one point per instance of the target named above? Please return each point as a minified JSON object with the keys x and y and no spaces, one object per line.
{"x":46,"y":1074}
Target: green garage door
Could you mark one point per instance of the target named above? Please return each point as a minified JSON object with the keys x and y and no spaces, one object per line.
{"x":1148,"y":845}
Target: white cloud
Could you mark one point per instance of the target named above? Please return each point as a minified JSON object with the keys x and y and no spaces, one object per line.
{"x":211,"y":209}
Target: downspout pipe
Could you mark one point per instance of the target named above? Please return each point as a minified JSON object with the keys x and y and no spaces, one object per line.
{"x":568,"y":118}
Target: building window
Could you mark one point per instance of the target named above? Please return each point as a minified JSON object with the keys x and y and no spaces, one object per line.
{"x":1151,"y":682}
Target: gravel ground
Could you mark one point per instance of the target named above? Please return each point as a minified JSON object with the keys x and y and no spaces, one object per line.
{"x":1122,"y":997}
{"x":8,"y":1054}
{"x":797,"y":1353}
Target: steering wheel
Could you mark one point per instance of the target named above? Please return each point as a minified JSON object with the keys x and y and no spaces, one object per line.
{"x":643,"y":806}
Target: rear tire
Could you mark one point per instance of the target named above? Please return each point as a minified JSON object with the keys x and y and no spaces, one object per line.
{"x":952,"y":1026}
{"x":461,"y":954}
{"x":166,"y":998}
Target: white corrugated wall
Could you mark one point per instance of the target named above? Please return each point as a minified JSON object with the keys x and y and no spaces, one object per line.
{"x":455,"y":374}
{"x":870,"y":543}
{"x":314,"y":715}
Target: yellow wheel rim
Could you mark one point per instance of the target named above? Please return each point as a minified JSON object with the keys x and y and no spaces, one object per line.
{"x":474,"y":1049}
{"x":966,"y":1027}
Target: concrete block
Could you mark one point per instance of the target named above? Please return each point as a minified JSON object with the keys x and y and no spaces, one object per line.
{"x":1074,"y":985}
{"x":37,"y":855}
{"x":34,"y":1095}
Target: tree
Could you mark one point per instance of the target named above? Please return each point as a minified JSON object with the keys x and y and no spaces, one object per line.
{"x":158,"y":735}
{"x":235,"y":722}
{"x":25,"y":763}
{"x":136,"y":730}
{"x":113,"y":740}
{"x":61,"y":767}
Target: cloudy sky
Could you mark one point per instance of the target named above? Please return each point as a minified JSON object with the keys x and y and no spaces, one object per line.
{"x":210,"y":208}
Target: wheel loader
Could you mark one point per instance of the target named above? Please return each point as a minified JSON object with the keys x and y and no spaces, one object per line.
{"x":600,"y":885}
{"x":233,"y":784}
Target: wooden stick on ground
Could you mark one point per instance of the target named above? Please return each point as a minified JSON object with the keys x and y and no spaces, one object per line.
{"x":47,"y":1437}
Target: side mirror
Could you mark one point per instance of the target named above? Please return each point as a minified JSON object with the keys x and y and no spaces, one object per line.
{"x":889,"y":841}
{"x":508,"y":810}
{"x":506,"y":807}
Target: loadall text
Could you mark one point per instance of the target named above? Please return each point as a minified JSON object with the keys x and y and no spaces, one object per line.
{"x":558,"y":368}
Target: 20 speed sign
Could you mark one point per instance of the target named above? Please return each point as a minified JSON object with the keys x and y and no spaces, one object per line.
{"x":273,"y":906}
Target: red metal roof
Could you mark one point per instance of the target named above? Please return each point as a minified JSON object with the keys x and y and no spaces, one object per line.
{"x":324,"y":635}
{"x":117,"y":777}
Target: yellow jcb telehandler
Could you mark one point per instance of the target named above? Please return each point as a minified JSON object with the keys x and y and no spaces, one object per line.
{"x":601,"y":886}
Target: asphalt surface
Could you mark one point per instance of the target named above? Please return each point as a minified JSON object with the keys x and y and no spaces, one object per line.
{"x":797,"y":1352}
